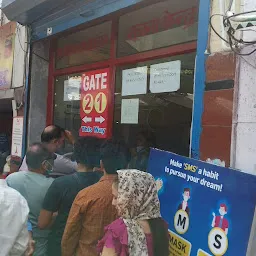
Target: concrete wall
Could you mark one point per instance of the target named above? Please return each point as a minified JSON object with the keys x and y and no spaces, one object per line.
{"x":38,"y":91}
{"x":244,"y":121}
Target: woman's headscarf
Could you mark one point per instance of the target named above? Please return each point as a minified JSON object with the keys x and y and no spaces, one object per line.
{"x":137,"y":200}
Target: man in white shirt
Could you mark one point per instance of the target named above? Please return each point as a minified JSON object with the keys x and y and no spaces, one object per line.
{"x":53,"y":138}
{"x":14,"y":236}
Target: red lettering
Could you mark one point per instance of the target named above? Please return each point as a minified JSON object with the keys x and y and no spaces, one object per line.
{"x":92,"y":43}
{"x":168,"y":20}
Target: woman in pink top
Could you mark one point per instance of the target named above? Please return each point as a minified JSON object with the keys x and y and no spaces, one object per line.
{"x":140,"y":230}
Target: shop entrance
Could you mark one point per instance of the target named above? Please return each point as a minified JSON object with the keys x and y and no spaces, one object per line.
{"x":6,"y":117}
{"x":164,"y":118}
{"x":151,"y":56}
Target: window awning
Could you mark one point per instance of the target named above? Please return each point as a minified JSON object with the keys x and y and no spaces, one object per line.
{"x":28,"y":11}
{"x":59,"y":15}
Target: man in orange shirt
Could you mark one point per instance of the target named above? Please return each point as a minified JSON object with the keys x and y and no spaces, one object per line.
{"x":92,"y":209}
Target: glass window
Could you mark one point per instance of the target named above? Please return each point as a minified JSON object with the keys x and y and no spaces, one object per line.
{"x":156,"y":26}
{"x":86,"y":46}
{"x":67,"y":103}
{"x":165,"y":116}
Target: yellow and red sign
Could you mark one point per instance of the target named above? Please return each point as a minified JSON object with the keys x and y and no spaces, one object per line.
{"x":200,"y":252}
{"x":179,"y":246}
{"x":95,"y":104}
{"x":7,"y":41}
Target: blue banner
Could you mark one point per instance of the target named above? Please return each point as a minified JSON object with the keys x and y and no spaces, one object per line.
{"x":209,"y":209}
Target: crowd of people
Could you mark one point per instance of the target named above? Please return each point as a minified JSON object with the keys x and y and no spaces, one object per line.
{"x":100,"y":202}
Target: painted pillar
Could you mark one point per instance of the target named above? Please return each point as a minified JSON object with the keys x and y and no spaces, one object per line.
{"x":215,"y":82}
{"x":203,"y":29}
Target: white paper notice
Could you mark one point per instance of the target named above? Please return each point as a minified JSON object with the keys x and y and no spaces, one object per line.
{"x":17,"y":132}
{"x":165,"y":77}
{"x":130,"y":111}
{"x":134,"y":81}
{"x":72,"y":89}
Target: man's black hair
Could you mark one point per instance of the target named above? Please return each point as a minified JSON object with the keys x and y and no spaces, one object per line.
{"x":51,"y":133}
{"x":115,"y":155}
{"x":36,"y":154}
{"x":87,"y":151}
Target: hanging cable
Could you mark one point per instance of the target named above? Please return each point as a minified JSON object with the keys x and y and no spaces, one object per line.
{"x":238,"y":53}
{"x":230,"y":5}
{"x":29,"y":42}
{"x":214,"y":30}
{"x":231,"y":32}
{"x":239,"y":14}
{"x":232,"y":40}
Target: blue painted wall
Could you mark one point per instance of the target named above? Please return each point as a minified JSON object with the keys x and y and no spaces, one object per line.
{"x":200,"y":76}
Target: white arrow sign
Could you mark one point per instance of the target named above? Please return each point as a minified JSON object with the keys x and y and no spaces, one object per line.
{"x":100,"y":119}
{"x":87,"y":119}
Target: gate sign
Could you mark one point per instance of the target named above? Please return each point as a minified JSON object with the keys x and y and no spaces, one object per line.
{"x":210,"y":209}
{"x":95,"y":104}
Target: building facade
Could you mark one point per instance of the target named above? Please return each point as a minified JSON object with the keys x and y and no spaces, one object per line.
{"x":170,"y":76}
{"x":13,"y":59}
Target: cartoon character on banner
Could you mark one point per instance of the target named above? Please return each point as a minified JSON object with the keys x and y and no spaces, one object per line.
{"x":184,"y":204}
{"x":181,"y":218}
{"x":217,"y":238}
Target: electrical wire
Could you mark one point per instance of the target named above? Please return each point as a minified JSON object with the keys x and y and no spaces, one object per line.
{"x":239,"y":14}
{"x":231,"y":31}
{"x":232,"y":41}
{"x":230,"y":5}
{"x":238,"y":53}
{"x":214,"y":30}
{"x":29,"y":42}
{"x":25,"y":68}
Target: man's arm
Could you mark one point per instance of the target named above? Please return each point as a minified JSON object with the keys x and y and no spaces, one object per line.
{"x":46,"y":219}
{"x":16,"y":232}
{"x":72,"y":231}
{"x":31,"y":244}
{"x":69,"y":137}
{"x":51,"y":205}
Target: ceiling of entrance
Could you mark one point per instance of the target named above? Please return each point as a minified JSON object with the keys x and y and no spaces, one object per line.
{"x":5,"y":106}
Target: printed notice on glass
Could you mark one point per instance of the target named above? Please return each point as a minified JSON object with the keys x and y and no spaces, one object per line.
{"x":165,"y":77}
{"x":17,"y":135}
{"x":130,"y":111}
{"x":72,"y":89}
{"x":134,"y":81}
